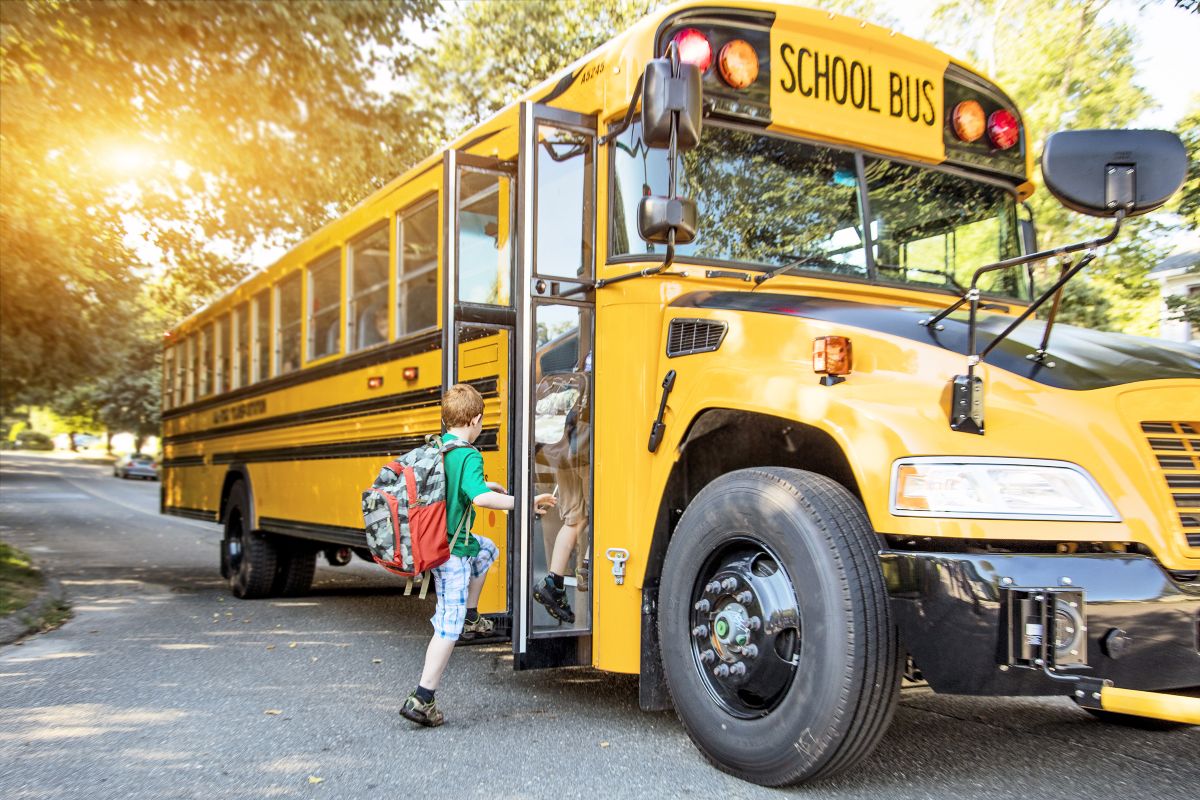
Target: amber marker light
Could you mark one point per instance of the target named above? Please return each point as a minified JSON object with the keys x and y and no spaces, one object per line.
{"x":910,"y":490}
{"x":968,"y":120}
{"x":1003,"y":129}
{"x":694,"y":48}
{"x":832,"y":357}
{"x":738,"y":63}
{"x":410,"y":373}
{"x":374,"y":382}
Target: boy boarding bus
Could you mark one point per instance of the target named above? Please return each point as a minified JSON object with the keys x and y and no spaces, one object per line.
{"x":815,"y":439}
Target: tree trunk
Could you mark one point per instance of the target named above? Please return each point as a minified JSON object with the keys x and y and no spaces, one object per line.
{"x":108,"y":442}
{"x":137,"y":442}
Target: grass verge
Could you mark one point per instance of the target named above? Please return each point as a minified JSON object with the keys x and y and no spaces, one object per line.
{"x":19,"y":581}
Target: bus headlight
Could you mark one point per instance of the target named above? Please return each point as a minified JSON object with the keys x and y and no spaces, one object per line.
{"x":997,"y":488}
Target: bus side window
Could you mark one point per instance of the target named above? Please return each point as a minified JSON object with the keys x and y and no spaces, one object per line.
{"x":287,"y":325}
{"x":190,"y":367}
{"x":324,"y":305}
{"x":168,"y":375}
{"x":416,"y":295}
{"x":261,"y":360}
{"x":367,"y":322}
{"x":485,"y":241}
{"x":224,"y":340}
{"x":241,"y":347}
{"x":206,"y":361}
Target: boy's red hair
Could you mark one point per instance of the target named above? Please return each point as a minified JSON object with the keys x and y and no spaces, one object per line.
{"x":460,"y":404}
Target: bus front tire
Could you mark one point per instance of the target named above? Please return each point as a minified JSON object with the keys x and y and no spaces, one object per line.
{"x":775,"y":630}
{"x":249,"y":557}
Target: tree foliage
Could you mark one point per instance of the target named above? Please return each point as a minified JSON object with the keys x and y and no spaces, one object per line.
{"x":1069,"y":64}
{"x":242,"y":122}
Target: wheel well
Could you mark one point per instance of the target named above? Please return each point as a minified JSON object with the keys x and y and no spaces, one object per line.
{"x":234,"y":475}
{"x":721,"y":441}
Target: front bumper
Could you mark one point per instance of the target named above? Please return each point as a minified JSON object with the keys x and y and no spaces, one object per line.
{"x":1141,"y":627}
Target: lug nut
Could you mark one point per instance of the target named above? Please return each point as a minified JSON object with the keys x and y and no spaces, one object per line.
{"x":701,"y":605}
{"x":745,"y":598}
{"x":754,"y":623}
{"x":750,"y":651}
{"x":737,"y":669}
{"x":721,"y":670}
{"x":729,"y":584}
{"x":700,"y":631}
{"x":713,"y":587}
{"x":708,"y":656}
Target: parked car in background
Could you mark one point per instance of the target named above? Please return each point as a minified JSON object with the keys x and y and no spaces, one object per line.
{"x":33,"y":440}
{"x":136,"y":465}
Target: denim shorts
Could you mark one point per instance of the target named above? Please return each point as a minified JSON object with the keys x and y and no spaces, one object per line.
{"x":451,"y":581}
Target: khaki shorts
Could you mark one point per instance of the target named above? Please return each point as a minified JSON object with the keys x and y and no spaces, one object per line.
{"x":572,"y":497}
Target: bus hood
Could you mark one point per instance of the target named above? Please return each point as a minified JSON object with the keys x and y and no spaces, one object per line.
{"x":1081,"y":358}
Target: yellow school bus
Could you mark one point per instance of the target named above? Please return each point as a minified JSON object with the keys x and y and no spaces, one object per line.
{"x":748,"y":287}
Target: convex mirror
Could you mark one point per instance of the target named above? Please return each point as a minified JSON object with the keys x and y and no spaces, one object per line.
{"x":1101,"y":172}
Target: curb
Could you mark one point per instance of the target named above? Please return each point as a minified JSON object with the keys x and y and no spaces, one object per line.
{"x":24,"y":620}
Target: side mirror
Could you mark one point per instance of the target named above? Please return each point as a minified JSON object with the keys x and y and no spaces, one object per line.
{"x":666,"y":97}
{"x":1101,"y":172}
{"x":659,"y":216}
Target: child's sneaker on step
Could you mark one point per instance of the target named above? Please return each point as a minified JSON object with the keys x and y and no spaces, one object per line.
{"x":554,"y":599}
{"x":479,"y":628}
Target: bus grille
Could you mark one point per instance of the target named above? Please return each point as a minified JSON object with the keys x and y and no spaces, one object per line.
{"x":1176,"y":448}
{"x":687,"y":336}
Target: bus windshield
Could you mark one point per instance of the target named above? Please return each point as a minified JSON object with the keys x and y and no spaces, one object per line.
{"x":766,"y":201}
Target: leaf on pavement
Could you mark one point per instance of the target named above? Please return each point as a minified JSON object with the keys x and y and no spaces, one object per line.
{"x":274,"y":712}
{"x":315,"y":779}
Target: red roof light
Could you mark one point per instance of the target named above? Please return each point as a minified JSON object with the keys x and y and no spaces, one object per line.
{"x":1003,"y":129}
{"x":694,"y":48}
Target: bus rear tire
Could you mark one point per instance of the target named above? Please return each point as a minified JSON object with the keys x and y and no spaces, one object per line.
{"x":775,"y":627}
{"x":296,"y":564}
{"x":249,"y":557}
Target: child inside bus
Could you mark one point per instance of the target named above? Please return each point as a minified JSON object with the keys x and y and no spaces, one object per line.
{"x":459,"y":581}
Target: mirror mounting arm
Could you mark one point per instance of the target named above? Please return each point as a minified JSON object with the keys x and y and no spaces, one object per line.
{"x":1041,"y":255}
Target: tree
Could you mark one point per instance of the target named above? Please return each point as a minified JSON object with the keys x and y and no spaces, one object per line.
{"x":1189,"y":198}
{"x":187,"y":122}
{"x":1069,"y":64}
{"x":490,"y":53}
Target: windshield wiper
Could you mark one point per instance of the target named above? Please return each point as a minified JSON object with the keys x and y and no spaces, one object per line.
{"x":759,"y":280}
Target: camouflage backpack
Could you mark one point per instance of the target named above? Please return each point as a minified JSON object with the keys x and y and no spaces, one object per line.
{"x":405,"y":512}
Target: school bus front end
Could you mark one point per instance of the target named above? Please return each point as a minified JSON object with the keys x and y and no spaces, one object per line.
{"x":824,"y":479}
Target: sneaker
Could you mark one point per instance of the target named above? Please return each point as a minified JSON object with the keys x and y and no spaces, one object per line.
{"x":481,"y":627}
{"x":554,"y":599}
{"x":582,"y":575}
{"x":426,"y":714}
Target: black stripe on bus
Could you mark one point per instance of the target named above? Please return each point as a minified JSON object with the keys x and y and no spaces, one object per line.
{"x":350,"y":537}
{"x":376,"y":448}
{"x":560,"y":88}
{"x":401,"y":401}
{"x":191,"y":513}
{"x":184,"y":461}
{"x":422,"y":343}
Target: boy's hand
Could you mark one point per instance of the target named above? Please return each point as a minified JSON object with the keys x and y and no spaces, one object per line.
{"x":542,"y":503}
{"x":495,"y":487}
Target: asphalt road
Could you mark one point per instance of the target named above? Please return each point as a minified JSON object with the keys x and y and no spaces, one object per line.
{"x":164,"y":686}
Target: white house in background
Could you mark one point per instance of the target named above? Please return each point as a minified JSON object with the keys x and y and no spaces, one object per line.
{"x":1178,"y":275}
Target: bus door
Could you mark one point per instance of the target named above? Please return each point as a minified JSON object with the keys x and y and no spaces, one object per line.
{"x":479,"y":319}
{"x":555,"y":327}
